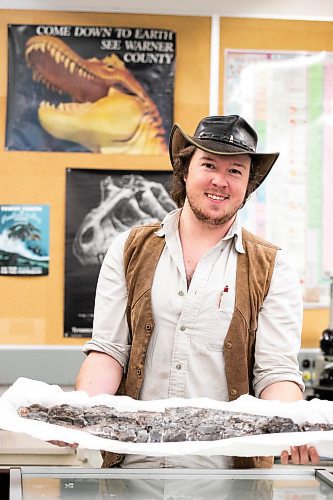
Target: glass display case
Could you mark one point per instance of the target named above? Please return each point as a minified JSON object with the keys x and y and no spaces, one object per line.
{"x":286,"y":483}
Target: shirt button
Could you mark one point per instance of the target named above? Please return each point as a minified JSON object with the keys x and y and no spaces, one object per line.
{"x":138,"y":371}
{"x":181,"y":293}
{"x":233,"y":392}
{"x":179,"y":367}
{"x":228,"y":345}
{"x":148,"y":327}
{"x":182,"y":328}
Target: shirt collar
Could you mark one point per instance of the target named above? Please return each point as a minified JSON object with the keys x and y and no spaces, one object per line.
{"x":236,"y":232}
{"x":171,"y":220}
{"x":170,"y":223}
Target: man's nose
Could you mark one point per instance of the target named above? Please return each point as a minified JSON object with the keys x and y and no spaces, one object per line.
{"x":219,"y":179}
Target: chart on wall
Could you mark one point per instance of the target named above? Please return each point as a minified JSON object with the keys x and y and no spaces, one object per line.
{"x":100,"y":204}
{"x":288,"y":98}
{"x":97,"y":89}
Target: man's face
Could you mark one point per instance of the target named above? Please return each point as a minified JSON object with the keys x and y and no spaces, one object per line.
{"x":216,"y":186}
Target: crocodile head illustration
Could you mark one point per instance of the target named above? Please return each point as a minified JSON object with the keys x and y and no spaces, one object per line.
{"x":110,"y":111}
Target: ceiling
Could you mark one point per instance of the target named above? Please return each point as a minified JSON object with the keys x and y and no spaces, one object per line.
{"x":321,"y":10}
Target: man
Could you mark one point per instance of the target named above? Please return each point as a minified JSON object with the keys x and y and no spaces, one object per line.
{"x":197,"y":306}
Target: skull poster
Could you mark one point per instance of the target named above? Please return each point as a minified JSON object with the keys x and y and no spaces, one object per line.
{"x":99,"y":205}
{"x":97,"y":89}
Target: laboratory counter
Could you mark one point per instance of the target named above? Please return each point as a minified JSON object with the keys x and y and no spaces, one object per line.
{"x":279,"y":483}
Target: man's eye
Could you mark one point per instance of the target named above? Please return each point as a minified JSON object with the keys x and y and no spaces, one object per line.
{"x":208,"y":165}
{"x":235,"y":171}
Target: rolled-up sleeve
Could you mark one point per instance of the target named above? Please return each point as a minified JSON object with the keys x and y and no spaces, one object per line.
{"x":278,"y":338}
{"x":110,"y":329}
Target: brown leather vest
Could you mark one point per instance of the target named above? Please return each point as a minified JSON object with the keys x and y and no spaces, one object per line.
{"x":254,"y":272}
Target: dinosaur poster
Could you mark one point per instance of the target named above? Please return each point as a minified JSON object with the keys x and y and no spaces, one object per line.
{"x":24,"y":240}
{"x":99,"y":205}
{"x":90,"y":89}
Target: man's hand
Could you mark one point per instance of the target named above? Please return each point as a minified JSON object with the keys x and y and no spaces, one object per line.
{"x":288,"y":392}
{"x":300,"y":455}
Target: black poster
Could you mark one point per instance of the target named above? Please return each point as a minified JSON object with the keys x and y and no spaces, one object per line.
{"x":90,"y":88}
{"x":99,"y":205}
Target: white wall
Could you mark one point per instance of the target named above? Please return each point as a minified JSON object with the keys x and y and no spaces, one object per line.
{"x":321,"y":10}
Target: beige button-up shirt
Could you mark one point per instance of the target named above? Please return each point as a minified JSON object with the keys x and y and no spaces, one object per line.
{"x":185,"y":354}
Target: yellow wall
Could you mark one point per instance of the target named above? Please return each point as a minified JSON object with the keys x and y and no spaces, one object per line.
{"x":31,"y":308}
{"x":315,"y":322}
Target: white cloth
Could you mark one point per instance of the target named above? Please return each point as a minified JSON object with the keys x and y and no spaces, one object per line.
{"x":185,"y":354}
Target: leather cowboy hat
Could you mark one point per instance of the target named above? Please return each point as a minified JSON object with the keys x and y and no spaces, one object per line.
{"x":225,"y":135}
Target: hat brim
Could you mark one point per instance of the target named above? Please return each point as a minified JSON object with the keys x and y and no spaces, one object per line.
{"x":180,"y":140}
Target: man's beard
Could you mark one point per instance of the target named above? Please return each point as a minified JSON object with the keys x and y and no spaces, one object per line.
{"x":209,"y":220}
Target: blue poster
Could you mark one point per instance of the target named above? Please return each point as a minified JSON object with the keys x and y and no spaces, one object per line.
{"x":24,"y":240}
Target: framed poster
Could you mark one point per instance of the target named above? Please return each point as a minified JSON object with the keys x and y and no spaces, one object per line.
{"x":99,"y":205}
{"x":24,"y":240}
{"x":98,"y":89}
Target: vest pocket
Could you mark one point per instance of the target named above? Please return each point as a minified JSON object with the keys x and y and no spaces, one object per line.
{"x":220,"y":319}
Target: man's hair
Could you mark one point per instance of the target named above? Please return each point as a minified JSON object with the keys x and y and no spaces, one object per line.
{"x":180,"y":169}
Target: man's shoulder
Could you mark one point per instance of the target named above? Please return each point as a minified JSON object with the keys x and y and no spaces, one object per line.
{"x":142,"y":248}
{"x":253,"y":239}
{"x":140,"y":234}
